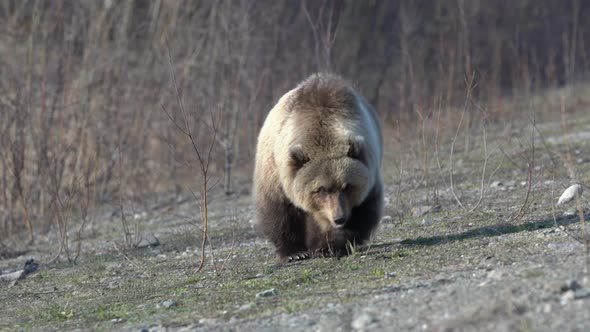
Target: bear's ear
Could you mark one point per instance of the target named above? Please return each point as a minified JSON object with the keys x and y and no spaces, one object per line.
{"x":356,"y":147}
{"x":297,"y":157}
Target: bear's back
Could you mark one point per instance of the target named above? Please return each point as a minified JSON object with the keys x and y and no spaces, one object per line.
{"x":326,"y":111}
{"x":324,"y":95}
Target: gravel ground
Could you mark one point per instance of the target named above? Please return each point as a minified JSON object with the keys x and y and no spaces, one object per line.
{"x":432,"y":266}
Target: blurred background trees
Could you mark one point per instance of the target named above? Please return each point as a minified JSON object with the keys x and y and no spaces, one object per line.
{"x":81,"y":82}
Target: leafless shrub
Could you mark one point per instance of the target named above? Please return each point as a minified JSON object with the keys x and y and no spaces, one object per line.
{"x":203,"y":156}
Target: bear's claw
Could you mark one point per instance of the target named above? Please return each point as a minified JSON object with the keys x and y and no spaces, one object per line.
{"x":317,"y":253}
{"x":299,"y":256}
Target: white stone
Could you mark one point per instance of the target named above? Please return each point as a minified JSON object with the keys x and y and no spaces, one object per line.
{"x":570,"y":194}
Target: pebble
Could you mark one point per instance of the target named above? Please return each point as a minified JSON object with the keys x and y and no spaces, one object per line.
{"x":573,"y":285}
{"x":140,"y":215}
{"x":427,"y":222}
{"x":567,"y":296}
{"x":496,"y":274}
{"x":496,"y":184}
{"x":30,"y":266}
{"x":149,"y":240}
{"x":363,"y":321}
{"x":571,"y":212}
{"x":386,"y":220}
{"x":166,"y":304}
{"x":547,"y":308}
{"x":268,"y":293}
{"x":570,"y":193}
{"x":12,"y":276}
{"x":581,"y":293}
{"x":368,"y":319}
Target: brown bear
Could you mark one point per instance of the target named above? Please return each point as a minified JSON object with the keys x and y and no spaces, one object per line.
{"x":317,"y":177}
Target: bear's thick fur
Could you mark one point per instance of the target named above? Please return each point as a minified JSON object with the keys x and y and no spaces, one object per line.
{"x":317,"y":177}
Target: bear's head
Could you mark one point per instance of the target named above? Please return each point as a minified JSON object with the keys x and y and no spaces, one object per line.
{"x":328,"y":186}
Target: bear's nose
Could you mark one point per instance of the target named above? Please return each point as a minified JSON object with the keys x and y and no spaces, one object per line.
{"x":340,"y":221}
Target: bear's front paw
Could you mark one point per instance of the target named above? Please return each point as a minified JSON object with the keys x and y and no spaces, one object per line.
{"x":299,"y":256}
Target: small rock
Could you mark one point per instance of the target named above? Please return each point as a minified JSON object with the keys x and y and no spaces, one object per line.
{"x":573,"y":285}
{"x":570,"y":194}
{"x":268,"y":293}
{"x":363,"y":321}
{"x":496,"y":274}
{"x":581,"y":293}
{"x":139,"y":215}
{"x":166,"y":304}
{"x":571,"y":212}
{"x":30,"y":266}
{"x":14,"y":276}
{"x":510,"y":183}
{"x":568,"y":296}
{"x":496,"y":184}
{"x":386,"y":220}
{"x":427,"y":222}
{"x":149,"y":240}
{"x":547,"y":308}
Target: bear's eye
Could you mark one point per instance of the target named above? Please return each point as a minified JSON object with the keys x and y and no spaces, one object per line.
{"x":320,"y":190}
{"x":345,"y":187}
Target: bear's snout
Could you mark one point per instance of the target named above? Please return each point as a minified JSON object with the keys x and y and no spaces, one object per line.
{"x":336,"y":206}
